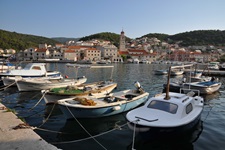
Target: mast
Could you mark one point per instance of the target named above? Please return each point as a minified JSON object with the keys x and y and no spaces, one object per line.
{"x":167,"y":97}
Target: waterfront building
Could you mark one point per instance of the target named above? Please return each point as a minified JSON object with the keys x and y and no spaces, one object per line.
{"x":92,"y":54}
{"x":41,"y":53}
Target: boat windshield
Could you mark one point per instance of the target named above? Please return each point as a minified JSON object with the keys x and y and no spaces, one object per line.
{"x":164,"y":106}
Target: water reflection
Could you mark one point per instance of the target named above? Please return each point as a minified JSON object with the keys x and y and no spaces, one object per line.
{"x":183,"y":140}
{"x":92,"y":126}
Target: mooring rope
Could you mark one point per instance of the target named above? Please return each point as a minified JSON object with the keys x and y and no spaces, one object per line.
{"x":48,"y":116}
{"x":134,"y":135}
{"x":88,"y":138}
{"x":37,"y":128}
{"x":7,"y":86}
{"x":85,"y":129}
{"x":38,"y":101}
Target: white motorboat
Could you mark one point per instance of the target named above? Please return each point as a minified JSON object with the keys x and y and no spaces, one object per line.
{"x":38,"y":84}
{"x":112,"y":104}
{"x":167,"y":112}
{"x":179,"y":111}
{"x":31,"y":70}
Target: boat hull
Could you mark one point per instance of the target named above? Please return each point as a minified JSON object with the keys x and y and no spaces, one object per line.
{"x":146,"y":130}
{"x":95,"y":112}
{"x":10,"y":80}
{"x":35,"y":85}
{"x":51,"y":97}
{"x":204,"y":89}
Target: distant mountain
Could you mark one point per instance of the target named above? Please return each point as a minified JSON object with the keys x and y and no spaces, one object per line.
{"x":20,"y":41}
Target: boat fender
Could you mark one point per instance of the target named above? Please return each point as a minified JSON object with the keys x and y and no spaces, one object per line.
{"x":116,"y":108}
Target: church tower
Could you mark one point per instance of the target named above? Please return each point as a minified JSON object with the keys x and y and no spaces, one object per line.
{"x":122,"y":42}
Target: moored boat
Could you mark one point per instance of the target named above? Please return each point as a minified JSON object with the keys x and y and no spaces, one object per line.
{"x":38,"y":84}
{"x":112,"y":104}
{"x":31,"y":70}
{"x":161,"y":72}
{"x":98,"y":89}
{"x":167,"y":112}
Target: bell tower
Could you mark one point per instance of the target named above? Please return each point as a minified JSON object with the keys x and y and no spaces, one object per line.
{"x":122,"y":42}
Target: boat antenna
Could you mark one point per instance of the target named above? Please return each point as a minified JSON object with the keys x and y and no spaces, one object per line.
{"x":167,"y":97}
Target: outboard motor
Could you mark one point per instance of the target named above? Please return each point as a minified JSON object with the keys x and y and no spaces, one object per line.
{"x":138,"y":86}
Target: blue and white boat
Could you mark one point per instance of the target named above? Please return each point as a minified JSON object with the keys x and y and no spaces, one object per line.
{"x":114,"y":103}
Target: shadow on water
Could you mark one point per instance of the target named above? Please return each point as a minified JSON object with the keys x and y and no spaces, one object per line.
{"x":179,"y":141}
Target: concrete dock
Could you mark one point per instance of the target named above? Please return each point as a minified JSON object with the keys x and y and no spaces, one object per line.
{"x":16,"y":135}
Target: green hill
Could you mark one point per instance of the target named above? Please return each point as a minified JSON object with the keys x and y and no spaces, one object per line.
{"x":200,"y":37}
{"x":64,"y":39}
{"x":112,"y":37}
{"x":160,"y":36}
{"x":20,"y":41}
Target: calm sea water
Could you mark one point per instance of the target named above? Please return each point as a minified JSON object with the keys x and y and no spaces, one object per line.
{"x":112,"y":133}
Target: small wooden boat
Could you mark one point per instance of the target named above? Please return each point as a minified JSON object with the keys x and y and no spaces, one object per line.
{"x":177,"y":72}
{"x":98,"y":89}
{"x":161,"y":72}
{"x":167,"y":112}
{"x":38,"y":84}
{"x":206,"y":87}
{"x":112,"y":104}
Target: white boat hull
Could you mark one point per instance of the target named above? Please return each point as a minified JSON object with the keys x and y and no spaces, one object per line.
{"x":38,"y":85}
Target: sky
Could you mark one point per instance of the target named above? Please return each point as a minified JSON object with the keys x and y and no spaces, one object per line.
{"x":79,"y":18}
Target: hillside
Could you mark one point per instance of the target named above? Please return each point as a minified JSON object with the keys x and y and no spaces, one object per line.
{"x":161,"y":37}
{"x":64,"y":39}
{"x":112,"y":37}
{"x":20,"y":41}
{"x":200,"y":37}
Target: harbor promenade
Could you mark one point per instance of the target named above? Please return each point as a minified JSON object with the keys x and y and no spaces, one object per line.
{"x":16,"y":135}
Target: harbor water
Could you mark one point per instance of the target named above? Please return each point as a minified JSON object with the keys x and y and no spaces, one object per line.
{"x":113,"y":133}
